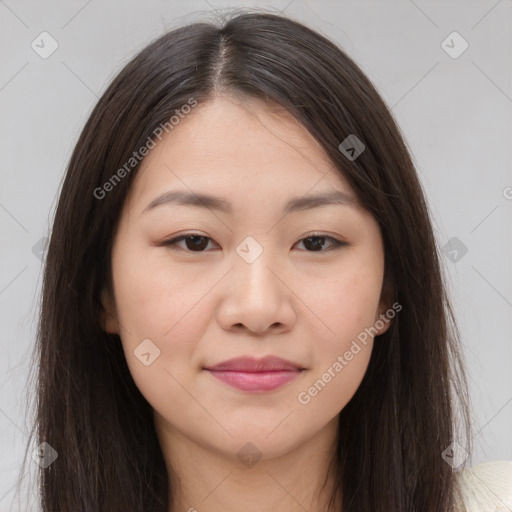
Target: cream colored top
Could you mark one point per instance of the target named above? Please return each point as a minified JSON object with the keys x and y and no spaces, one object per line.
{"x":487,"y":487}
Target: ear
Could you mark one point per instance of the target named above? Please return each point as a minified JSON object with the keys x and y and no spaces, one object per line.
{"x":386,"y":312}
{"x":382,"y":321}
{"x":109,"y":321}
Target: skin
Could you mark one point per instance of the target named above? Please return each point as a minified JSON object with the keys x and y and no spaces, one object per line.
{"x":202,"y":308}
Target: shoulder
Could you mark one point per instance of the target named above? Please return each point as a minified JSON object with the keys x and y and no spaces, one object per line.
{"x":486,"y":487}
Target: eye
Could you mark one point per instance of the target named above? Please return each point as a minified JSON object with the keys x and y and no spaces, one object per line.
{"x":195,"y":242}
{"x":317,"y":243}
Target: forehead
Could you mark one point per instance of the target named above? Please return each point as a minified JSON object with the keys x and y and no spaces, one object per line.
{"x":237,"y":149}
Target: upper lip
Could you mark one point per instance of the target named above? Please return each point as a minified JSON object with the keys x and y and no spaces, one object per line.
{"x":251,"y":364}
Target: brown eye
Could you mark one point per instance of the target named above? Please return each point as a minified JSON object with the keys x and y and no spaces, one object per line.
{"x":193,"y":242}
{"x":317,"y":243}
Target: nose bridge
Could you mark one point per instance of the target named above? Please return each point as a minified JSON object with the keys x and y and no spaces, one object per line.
{"x":252,"y":268}
{"x":256,"y":296}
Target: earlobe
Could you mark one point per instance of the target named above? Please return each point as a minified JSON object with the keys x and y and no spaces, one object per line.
{"x":109,"y":322}
{"x":382,"y":320}
{"x":386,"y":312}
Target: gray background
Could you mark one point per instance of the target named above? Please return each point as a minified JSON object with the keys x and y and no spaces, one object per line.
{"x":455,"y":113}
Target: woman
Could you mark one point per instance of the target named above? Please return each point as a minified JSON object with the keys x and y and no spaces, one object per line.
{"x":243,"y":304}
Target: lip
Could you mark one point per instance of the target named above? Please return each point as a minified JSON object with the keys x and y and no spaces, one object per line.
{"x":256,"y":375}
{"x":251,"y":364}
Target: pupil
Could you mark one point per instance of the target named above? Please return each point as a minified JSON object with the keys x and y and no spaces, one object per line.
{"x":196,"y":242}
{"x":319,"y":242}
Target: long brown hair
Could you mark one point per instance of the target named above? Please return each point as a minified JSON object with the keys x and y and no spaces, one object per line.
{"x":394,"y":430}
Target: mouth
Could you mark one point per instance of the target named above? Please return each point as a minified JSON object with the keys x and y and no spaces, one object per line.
{"x":257,"y":382}
{"x":256,"y":375}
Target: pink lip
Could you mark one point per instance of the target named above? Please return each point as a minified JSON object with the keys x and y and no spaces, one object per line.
{"x":256,"y":375}
{"x":255,"y":381}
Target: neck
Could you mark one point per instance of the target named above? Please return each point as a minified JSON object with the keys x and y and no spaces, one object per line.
{"x":202,"y":478}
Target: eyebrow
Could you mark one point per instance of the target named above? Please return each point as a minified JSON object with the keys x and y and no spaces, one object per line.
{"x":198,"y":200}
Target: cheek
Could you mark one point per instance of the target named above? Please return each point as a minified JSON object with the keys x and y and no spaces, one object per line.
{"x":152,"y":300}
{"x":163,"y":307}
{"x":168,"y":312}
{"x":349,"y":303}
{"x":348,"y":307}
{"x":342,"y":352}
{"x":327,"y":392}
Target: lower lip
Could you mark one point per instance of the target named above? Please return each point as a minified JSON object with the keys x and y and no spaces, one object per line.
{"x":255,"y":381}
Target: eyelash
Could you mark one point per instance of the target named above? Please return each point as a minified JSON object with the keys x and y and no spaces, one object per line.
{"x":172,"y":243}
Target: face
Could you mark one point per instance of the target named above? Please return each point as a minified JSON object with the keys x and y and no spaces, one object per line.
{"x":197,"y":284}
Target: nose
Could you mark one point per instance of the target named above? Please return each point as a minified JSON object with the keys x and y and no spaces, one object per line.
{"x":257,"y":297}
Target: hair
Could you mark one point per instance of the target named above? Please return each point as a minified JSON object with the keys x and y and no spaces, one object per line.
{"x":413,"y":398}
